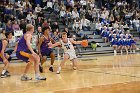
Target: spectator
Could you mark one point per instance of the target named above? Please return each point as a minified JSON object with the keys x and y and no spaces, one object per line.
{"x":9,"y":26}
{"x":56,"y":8}
{"x":21,"y":15}
{"x":67,"y":18}
{"x":38,"y":22}
{"x":23,"y":25}
{"x":2,"y":34}
{"x":85,"y":24}
{"x":98,"y":27}
{"x":15,"y":26}
{"x":77,"y":25}
{"x":49,"y":6}
{"x":75,"y":14}
{"x":38,"y":9}
{"x":67,"y":31}
{"x":55,"y":26}
{"x":45,"y":24}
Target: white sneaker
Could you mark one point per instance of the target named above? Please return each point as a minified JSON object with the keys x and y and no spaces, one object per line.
{"x":40,"y":78}
{"x":25,"y":78}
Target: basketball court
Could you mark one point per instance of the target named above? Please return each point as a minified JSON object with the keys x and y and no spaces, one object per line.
{"x":106,"y":74}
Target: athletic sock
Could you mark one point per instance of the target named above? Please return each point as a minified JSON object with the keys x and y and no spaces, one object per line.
{"x":3,"y":71}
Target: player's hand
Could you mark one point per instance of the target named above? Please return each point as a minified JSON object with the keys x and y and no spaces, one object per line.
{"x":50,"y":45}
{"x":40,"y":55}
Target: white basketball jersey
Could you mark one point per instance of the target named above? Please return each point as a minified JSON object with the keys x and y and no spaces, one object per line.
{"x":68,"y":47}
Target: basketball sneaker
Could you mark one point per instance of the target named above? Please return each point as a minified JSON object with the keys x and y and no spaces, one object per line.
{"x":40,"y":69}
{"x":51,"y":69}
{"x":57,"y":72}
{"x":3,"y":75}
{"x":7,"y":73}
{"x":74,"y":68}
{"x":40,"y":78}
{"x":25,"y":78}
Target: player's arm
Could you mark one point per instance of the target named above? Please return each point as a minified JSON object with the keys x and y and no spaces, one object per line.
{"x":16,"y":45}
{"x":4,"y":44}
{"x":39,"y":44}
{"x":75,"y":42}
{"x":28,"y":42}
{"x":52,"y":40}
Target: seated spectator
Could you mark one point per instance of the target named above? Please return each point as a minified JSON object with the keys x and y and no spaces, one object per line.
{"x":21,"y":15}
{"x":23,"y":25}
{"x":89,"y":16}
{"x":55,"y":36}
{"x":62,"y":13}
{"x":98,"y":27}
{"x":77,"y":25}
{"x":56,"y":8}
{"x":55,"y":26}
{"x":85,"y":24}
{"x":2,"y":34}
{"x":49,"y":6}
{"x":67,"y":18}
{"x":12,"y":18}
{"x":116,"y":25}
{"x":39,"y":22}
{"x":67,"y":31}
{"x":38,"y":9}
{"x":45,"y":24}
{"x":94,"y":14}
{"x":15,"y":26}
{"x":105,"y":34}
{"x":2,"y":25}
{"x":30,"y":16}
{"x":29,"y":9}
{"x":9,"y":26}
{"x":75,"y":14}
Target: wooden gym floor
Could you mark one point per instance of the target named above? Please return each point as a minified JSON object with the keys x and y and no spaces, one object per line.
{"x":110,"y":74}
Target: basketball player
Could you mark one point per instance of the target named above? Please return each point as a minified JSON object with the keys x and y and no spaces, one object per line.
{"x":25,"y":52}
{"x":3,"y":57}
{"x":69,"y":51}
{"x":44,"y":48}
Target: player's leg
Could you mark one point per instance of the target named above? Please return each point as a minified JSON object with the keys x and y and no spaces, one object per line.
{"x":24,"y":77}
{"x":66,"y":57}
{"x":36,"y":59}
{"x":74,"y":62}
{"x":28,"y":57}
{"x":52,"y":56}
{"x":126,"y":49}
{"x":134,"y":48}
{"x":44,"y":58}
{"x":5,"y":73}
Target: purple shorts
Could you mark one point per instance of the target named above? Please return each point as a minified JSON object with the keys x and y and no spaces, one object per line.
{"x":23,"y":56}
{"x":46,"y":52}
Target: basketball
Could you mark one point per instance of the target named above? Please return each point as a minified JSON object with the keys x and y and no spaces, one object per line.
{"x":84,"y":43}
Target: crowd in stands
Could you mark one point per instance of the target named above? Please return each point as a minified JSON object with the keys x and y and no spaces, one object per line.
{"x":112,"y":20}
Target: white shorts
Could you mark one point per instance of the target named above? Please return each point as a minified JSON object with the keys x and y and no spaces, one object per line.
{"x":72,"y":55}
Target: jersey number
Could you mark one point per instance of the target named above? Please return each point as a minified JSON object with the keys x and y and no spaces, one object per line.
{"x":67,"y":46}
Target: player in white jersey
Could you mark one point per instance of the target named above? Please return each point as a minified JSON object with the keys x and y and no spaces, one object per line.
{"x":69,"y":51}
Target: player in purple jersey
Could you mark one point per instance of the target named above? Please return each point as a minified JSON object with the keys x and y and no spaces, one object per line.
{"x":4,"y":57}
{"x":45,"y":49}
{"x":25,"y":52}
